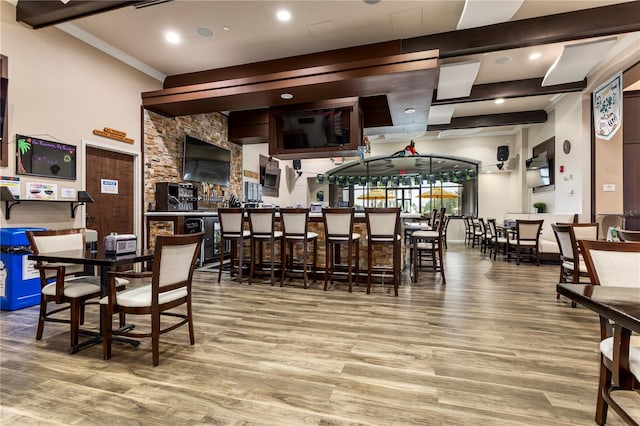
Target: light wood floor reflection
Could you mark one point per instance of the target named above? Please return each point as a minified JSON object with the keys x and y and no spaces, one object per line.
{"x":493,"y":347}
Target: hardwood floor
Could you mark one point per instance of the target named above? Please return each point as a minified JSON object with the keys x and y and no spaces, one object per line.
{"x":492,"y":347}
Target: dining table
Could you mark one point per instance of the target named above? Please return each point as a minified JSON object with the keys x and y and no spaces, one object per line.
{"x":105,"y":262}
{"x":619,"y":305}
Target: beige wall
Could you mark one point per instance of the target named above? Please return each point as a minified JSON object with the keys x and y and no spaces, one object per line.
{"x":61,"y":89}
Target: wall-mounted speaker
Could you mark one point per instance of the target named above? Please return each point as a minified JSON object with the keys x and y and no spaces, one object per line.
{"x":503,"y":152}
{"x":297,"y":164}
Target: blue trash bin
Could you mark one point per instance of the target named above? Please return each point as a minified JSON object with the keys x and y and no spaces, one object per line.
{"x":19,"y":280}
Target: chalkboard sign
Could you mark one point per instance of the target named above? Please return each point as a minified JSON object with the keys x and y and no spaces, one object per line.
{"x":39,"y":157}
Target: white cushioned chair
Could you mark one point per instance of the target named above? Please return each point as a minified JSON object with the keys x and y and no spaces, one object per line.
{"x":383,"y":228}
{"x":295,"y":223}
{"x":338,"y":231}
{"x":615,"y":264}
{"x":166,"y":287}
{"x":65,"y":286}
{"x":262,"y":227}
{"x":232,"y":229}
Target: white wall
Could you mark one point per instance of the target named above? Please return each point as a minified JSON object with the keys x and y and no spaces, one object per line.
{"x":61,"y":89}
{"x":568,"y":194}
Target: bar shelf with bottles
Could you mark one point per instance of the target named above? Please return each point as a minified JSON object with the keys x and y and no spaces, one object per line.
{"x":176,"y":197}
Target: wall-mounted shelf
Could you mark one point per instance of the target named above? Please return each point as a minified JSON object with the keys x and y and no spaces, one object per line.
{"x":9,"y":201}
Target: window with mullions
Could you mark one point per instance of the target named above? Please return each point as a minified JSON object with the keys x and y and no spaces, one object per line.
{"x":411,"y":199}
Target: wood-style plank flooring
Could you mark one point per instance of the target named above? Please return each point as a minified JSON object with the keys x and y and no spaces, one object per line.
{"x":492,"y":347}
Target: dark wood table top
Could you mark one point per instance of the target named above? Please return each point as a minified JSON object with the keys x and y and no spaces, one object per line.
{"x":619,"y":304}
{"x":88,"y":257}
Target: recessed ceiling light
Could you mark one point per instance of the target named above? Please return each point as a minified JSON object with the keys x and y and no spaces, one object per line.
{"x":283,"y":15}
{"x":534,"y":56}
{"x":502,"y":60}
{"x":409,"y":110}
{"x":499,"y":101}
{"x":286,"y":96}
{"x":172,"y":37}
{"x":371,"y":1}
{"x":226,"y":28}
{"x":205,"y":32}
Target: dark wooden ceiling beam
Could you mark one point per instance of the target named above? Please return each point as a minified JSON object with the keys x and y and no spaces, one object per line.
{"x":511,"y":89}
{"x":506,"y":119}
{"x":587,"y":23}
{"x":39,"y":14}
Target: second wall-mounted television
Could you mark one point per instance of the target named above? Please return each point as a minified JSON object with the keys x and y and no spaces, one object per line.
{"x":205,"y":162}
{"x":538,"y":171}
{"x":326,"y":128}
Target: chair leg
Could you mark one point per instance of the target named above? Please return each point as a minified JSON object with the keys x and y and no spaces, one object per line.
{"x":106,"y":331}
{"x":349,"y":263}
{"x":253,"y":257}
{"x":75,"y":320}
{"x":239,"y":247}
{"x":441,"y":257}
{"x":41,"y":317}
{"x":192,"y":336}
{"x":357,"y":262}
{"x":327,"y":255}
{"x":369,"y":265}
{"x":222,"y":259}
{"x":155,"y":338}
{"x":315,"y":259}
{"x":283,"y":261}
{"x":604,"y":383}
{"x":305,"y":255}
{"x":273,"y":256}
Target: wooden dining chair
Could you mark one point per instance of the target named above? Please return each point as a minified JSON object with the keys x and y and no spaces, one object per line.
{"x":338,"y":232}
{"x":527,"y":240}
{"x":616,"y":264}
{"x":427,"y":246}
{"x":262,"y":227}
{"x":499,"y":240}
{"x":295,"y":231}
{"x":383,"y":229}
{"x":161,"y":290}
{"x":231,"y":229}
{"x":60,"y":283}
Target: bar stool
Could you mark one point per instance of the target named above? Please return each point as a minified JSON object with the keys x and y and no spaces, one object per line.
{"x":429,"y":243}
{"x":338,"y":230}
{"x":294,"y":222}
{"x":383,"y":228}
{"x":231,"y":221}
{"x":262,"y":226}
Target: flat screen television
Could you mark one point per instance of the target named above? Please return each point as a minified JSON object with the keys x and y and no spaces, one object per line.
{"x":315,"y":128}
{"x":538,"y":169}
{"x":205,"y":162}
{"x":40,"y":157}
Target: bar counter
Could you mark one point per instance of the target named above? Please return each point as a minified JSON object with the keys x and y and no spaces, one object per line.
{"x":162,"y":223}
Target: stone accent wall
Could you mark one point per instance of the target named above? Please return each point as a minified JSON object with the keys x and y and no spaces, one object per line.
{"x":163,"y":145}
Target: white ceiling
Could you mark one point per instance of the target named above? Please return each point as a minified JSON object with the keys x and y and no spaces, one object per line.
{"x":254,"y":34}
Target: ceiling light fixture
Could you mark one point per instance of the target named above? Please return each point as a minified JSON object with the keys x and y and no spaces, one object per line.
{"x":409,"y":110}
{"x":283,"y":15}
{"x":534,"y":56}
{"x":172,"y":37}
{"x":286,"y":96}
{"x":226,"y":28}
{"x":499,"y":101}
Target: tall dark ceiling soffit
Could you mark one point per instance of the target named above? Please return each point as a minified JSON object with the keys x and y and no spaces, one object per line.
{"x":596,"y":22}
{"x":366,"y":77}
{"x":39,"y":14}
{"x":491,"y":120}
{"x":511,"y":89}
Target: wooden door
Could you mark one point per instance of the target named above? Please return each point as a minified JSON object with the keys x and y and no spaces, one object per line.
{"x":112,"y":209}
